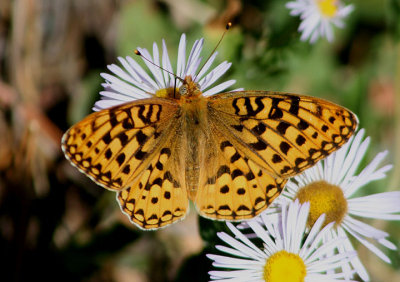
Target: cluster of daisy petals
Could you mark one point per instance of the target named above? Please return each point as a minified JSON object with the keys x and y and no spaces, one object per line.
{"x":306,"y":235}
{"x":327,"y":191}
{"x":318,"y":17}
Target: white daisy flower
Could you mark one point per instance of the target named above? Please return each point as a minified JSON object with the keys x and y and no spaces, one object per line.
{"x":318,"y":16}
{"x":330,"y":187}
{"x":288,"y":254}
{"x":132,"y":82}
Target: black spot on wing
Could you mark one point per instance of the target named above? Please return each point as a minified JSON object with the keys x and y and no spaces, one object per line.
{"x":303,"y":125}
{"x":235,"y":157}
{"x":108,"y":153}
{"x":158,"y":181}
{"x":223,"y":169}
{"x":126,"y":169}
{"x":249,"y":108}
{"x":225,"y":144}
{"x":275,"y":112}
{"x":284,"y":146}
{"x":159,"y":165}
{"x":113,"y":119}
{"x":145,"y":118}
{"x":276,"y":158}
{"x":282,"y":127}
{"x":166,"y":151}
{"x":236,"y":173}
{"x":224,"y":189}
{"x":260,"y":145}
{"x":300,"y":140}
{"x":259,"y":128}
{"x":140,"y":155}
{"x":243,"y":208}
{"x":294,"y":105}
{"x":141,"y":137}
{"x":250,"y":176}
{"x":238,"y":127}
{"x":107,"y":138}
{"x":241,"y":191}
{"x":121,"y":159}
{"x":123,"y":138}
{"x":128,"y":124}
{"x":235,"y":106}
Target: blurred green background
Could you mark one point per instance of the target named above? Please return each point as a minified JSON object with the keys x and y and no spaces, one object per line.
{"x":56,"y":224}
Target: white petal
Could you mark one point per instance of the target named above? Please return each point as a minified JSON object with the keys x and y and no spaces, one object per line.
{"x":158,"y":72}
{"x":121,"y":86}
{"x":219,"y":88}
{"x":155,"y":71}
{"x":180,"y":69}
{"x":376,"y":205}
{"x":166,"y":63}
{"x":104,"y":104}
{"x":368,"y":174}
{"x":212,"y":76}
{"x":344,"y":12}
{"x":362,"y":228}
{"x":193,"y":60}
{"x":355,"y":261}
{"x":117,"y":96}
{"x":146,"y":79}
{"x":367,"y":244}
{"x":206,"y":66}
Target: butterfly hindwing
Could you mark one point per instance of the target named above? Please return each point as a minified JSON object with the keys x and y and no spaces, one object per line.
{"x":283,"y":133}
{"x":231,"y":186}
{"x":115,"y":145}
{"x":158,"y":197}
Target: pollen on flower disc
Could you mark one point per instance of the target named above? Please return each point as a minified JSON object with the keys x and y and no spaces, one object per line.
{"x":324,"y":198}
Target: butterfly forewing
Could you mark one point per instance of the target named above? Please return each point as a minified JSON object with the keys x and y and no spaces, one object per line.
{"x":283,"y":133}
{"x":114,"y":146}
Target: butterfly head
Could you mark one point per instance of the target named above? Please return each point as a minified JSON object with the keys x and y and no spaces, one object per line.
{"x":190,"y":88}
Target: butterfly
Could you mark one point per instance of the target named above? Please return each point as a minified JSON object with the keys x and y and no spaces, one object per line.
{"x":230,"y":153}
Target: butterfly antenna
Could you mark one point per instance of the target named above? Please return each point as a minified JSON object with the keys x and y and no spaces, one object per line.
{"x":144,"y":58}
{"x":228,"y":25}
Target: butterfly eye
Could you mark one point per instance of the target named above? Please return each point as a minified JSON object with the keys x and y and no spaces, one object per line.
{"x":183,"y":90}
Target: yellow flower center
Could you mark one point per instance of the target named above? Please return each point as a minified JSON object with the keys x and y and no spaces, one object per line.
{"x":324,"y":198}
{"x":284,"y":266}
{"x":328,"y":8}
{"x":166,"y":92}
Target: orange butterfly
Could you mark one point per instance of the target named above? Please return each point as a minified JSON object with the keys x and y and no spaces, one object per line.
{"x":230,"y":153}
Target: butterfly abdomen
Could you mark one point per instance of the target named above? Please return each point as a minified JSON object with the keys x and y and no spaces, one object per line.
{"x":195,"y":130}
